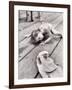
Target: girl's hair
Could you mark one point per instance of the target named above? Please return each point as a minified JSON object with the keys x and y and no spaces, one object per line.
{"x":33,"y":38}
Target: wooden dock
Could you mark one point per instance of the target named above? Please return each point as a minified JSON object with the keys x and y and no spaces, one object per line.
{"x":28,"y":52}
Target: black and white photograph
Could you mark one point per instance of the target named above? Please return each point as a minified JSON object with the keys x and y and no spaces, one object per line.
{"x":40,"y":44}
{"x":41,"y":41}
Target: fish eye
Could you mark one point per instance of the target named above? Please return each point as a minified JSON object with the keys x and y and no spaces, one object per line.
{"x":39,"y":60}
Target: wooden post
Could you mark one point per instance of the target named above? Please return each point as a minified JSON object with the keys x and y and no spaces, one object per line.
{"x":31,"y":16}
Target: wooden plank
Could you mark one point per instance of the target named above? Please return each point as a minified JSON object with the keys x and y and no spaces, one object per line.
{"x":57,"y":21}
{"x":60,"y":28}
{"x":24,"y":48}
{"x":24,"y":25}
{"x":53,"y":18}
{"x":58,"y":54}
{"x":50,"y":17}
